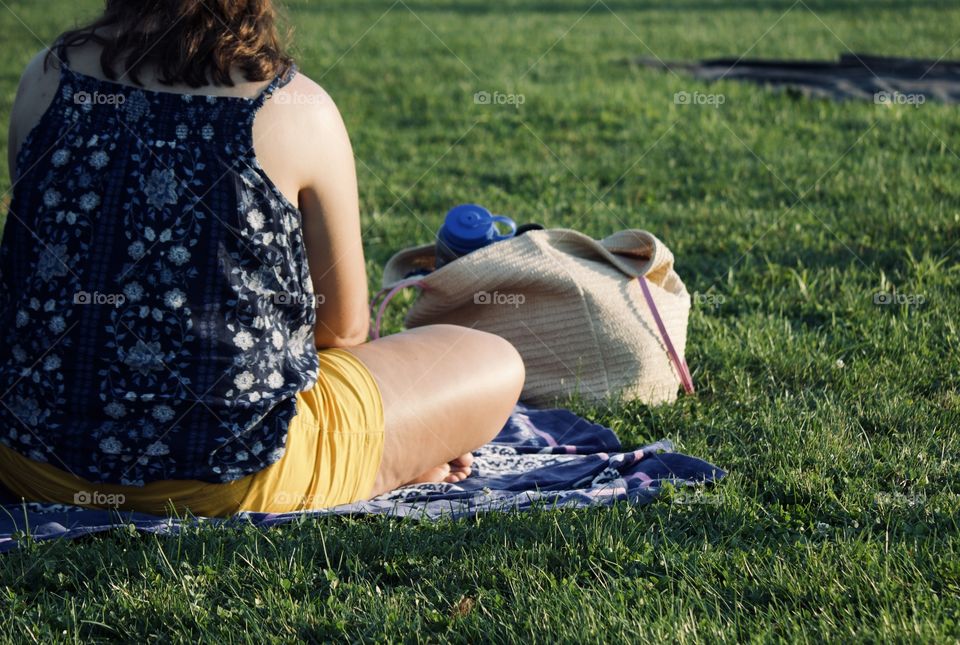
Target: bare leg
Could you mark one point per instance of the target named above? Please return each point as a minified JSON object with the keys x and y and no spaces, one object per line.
{"x":447,"y":390}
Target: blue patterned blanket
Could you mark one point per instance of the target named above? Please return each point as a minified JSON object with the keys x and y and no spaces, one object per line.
{"x":541,"y":458}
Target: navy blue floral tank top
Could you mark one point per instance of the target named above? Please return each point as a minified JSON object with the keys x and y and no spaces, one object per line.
{"x":156,"y":308}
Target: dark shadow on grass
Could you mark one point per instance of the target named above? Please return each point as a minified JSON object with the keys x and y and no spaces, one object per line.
{"x":586,"y":7}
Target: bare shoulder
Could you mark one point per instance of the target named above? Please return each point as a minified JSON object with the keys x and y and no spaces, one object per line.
{"x":309,"y":91}
{"x":308,"y":103}
{"x":40,"y":78}
{"x":300,"y":136}
{"x":302,"y":116}
{"x":37,"y":88}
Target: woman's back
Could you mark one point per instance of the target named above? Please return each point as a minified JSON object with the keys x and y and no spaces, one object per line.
{"x":157,"y":308}
{"x":157,"y":301}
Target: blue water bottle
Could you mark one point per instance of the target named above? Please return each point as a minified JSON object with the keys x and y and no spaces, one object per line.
{"x":467,"y":228}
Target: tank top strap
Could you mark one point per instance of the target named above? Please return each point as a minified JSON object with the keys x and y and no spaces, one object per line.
{"x":281,"y":80}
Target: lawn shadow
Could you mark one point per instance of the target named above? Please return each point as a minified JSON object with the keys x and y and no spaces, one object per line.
{"x":475,"y":7}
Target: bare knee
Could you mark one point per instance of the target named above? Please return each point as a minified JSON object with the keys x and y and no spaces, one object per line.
{"x":509,"y":364}
{"x":494,"y":365}
{"x":505,"y":374}
{"x":493,"y":353}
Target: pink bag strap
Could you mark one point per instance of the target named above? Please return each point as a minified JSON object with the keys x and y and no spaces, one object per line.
{"x":685,"y":378}
{"x":388,"y":295}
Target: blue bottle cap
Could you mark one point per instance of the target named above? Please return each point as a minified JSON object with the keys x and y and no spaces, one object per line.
{"x":470,"y":226}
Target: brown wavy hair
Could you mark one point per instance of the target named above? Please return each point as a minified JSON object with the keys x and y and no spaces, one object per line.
{"x":190,"y":42}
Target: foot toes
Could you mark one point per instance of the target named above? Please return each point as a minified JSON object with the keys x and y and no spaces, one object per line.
{"x":458,"y":474}
{"x":463,"y":461}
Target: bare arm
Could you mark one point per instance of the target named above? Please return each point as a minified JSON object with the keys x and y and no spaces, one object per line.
{"x":13,"y":146}
{"x":329,"y":203}
{"x":13,"y":138}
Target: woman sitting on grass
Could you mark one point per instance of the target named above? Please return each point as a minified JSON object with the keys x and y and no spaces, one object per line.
{"x":183,"y":288}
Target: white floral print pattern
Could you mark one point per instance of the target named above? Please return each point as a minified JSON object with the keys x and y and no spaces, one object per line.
{"x":190,"y":370}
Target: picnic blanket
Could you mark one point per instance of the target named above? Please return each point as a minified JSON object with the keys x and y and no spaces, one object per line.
{"x":548,"y":458}
{"x":882,"y":79}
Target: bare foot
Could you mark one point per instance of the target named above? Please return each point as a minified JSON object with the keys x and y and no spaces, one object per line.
{"x":460,"y":468}
{"x":434,"y":475}
{"x":451,"y":473}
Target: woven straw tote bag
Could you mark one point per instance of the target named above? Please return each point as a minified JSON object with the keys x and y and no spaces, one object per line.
{"x":590,"y":318}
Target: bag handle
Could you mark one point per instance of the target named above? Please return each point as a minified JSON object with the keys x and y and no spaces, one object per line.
{"x":632,"y":251}
{"x":388,"y":294}
{"x":685,"y":378}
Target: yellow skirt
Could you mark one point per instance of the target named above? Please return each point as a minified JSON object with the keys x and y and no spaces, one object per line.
{"x":333,"y":452}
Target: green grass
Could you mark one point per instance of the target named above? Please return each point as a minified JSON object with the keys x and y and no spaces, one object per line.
{"x":838,"y":420}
